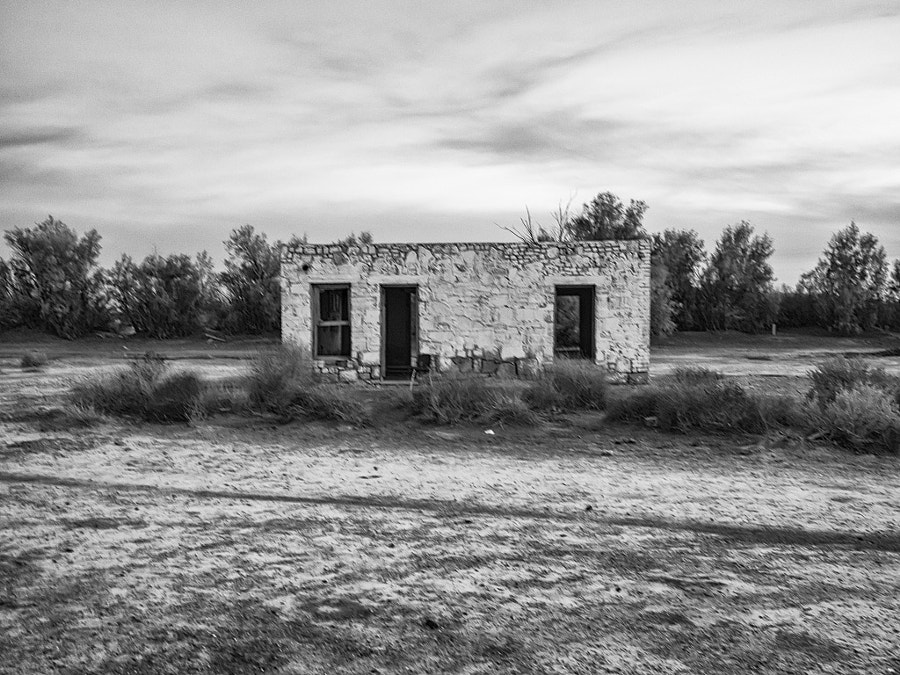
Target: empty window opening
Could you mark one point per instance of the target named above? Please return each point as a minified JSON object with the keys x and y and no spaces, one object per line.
{"x":399,"y":326}
{"x":573,"y":328}
{"x":332,"y":321}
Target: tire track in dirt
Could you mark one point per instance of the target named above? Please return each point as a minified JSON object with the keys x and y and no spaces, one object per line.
{"x":786,"y":536}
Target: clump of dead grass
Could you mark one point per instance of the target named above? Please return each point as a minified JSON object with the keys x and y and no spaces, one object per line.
{"x":854,"y":406}
{"x":454,"y":398}
{"x":568,"y":385}
{"x":34,"y":360}
{"x":144,"y":390}
{"x":282,"y":381}
{"x":702,"y":401}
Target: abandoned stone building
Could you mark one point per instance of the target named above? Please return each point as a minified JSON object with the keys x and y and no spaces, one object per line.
{"x":387,"y":311}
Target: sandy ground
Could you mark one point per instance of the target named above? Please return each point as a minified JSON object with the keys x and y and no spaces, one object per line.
{"x":240,"y":546}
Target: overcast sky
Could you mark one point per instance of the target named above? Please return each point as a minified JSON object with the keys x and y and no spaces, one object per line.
{"x":167,"y":124}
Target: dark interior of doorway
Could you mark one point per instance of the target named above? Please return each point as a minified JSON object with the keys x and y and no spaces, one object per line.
{"x":399,"y":331}
{"x":573,"y":328}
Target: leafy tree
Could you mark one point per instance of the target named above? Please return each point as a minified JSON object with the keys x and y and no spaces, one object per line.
{"x":162,"y":296}
{"x":796,"y":307}
{"x":681,"y":252}
{"x":251,"y":282}
{"x":850,"y":281}
{"x":736,"y":289}
{"x":606,"y":217}
{"x":54,"y":270}
{"x":9,"y":300}
{"x":894,"y":282}
{"x":662,"y":306}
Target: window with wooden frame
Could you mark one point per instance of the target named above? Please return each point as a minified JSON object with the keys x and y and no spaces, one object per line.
{"x":331,"y":320}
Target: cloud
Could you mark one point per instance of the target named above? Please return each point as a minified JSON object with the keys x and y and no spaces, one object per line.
{"x":26,"y":137}
{"x":309,"y":115}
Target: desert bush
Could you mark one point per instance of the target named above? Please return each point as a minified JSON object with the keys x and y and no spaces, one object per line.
{"x":705,"y":404}
{"x":173,"y":398}
{"x":282,"y":381}
{"x":34,"y":360}
{"x":275,"y":376}
{"x":696,"y":375}
{"x":455,"y":398}
{"x":510,"y":409}
{"x":220,"y":397}
{"x":149,"y":367}
{"x":326,"y":402}
{"x":864,"y":418}
{"x":839,"y":374}
{"x":144,"y":390}
{"x":568,"y":385}
{"x":81,"y":416}
{"x":450,"y":399}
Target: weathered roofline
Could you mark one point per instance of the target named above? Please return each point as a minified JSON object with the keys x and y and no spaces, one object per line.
{"x":291,"y":252}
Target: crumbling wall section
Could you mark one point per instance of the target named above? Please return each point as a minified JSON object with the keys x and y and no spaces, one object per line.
{"x":486,"y":307}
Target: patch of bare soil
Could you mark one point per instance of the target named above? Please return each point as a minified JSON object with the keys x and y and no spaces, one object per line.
{"x":245,"y":547}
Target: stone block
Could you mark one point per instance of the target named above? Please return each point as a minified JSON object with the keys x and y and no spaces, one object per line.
{"x":529,"y":368}
{"x":348,"y":376}
{"x":506,"y":370}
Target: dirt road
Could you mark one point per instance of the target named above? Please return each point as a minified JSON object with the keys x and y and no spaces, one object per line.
{"x":241,"y":546}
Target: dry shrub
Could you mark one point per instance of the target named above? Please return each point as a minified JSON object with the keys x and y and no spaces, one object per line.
{"x":456,"y":398}
{"x":703,"y":402}
{"x":33,"y":360}
{"x":510,"y":409}
{"x":277,"y":374}
{"x":696,"y":375}
{"x":327,"y":402}
{"x":144,"y":390}
{"x":220,"y":397}
{"x":282,"y":381}
{"x":837,"y":374}
{"x":568,"y":385}
{"x":453,"y":398}
{"x":864,"y":418}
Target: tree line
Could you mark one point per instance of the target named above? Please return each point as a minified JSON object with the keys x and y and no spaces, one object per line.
{"x":852,"y":288}
{"x":52,"y":282}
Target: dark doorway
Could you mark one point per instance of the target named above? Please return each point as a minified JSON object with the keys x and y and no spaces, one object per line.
{"x":573,"y":327}
{"x":399,"y":332}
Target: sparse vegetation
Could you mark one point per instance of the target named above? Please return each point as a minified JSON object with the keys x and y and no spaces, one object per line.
{"x":698,"y":400}
{"x":325,"y":402}
{"x":276,"y":374}
{"x":862,"y":418}
{"x":838,"y":374}
{"x":34,"y":360}
{"x":282,"y":382}
{"x":569,"y":385}
{"x":144,"y":390}
{"x":854,"y":405}
{"x":454,"y":398}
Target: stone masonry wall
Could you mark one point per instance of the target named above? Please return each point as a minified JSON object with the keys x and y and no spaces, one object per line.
{"x":486,"y":307}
